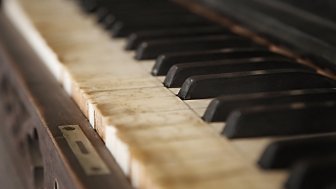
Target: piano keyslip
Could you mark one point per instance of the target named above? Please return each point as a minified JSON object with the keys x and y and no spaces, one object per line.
{"x":221,"y":107}
{"x":212,"y":85}
{"x":164,"y":62}
{"x":180,"y":72}
{"x":152,"y":49}
{"x":286,"y":119}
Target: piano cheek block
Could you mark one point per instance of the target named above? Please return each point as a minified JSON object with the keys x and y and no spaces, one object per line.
{"x":280,"y":120}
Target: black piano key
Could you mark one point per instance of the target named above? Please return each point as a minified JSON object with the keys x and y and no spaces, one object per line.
{"x":331,"y":185}
{"x":152,"y":49}
{"x":102,"y":13}
{"x":281,"y":120}
{"x":165,"y":62}
{"x":134,"y":7}
{"x":89,"y":5}
{"x":149,"y":18}
{"x":135,"y":39}
{"x":123,"y":28}
{"x":180,"y":72}
{"x":209,"y":86}
{"x":137,"y":13}
{"x":220,"y":108}
{"x":312,"y":174}
{"x":284,"y":153}
{"x":128,"y":9}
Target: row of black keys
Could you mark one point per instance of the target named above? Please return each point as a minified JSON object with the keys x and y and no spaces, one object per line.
{"x":257,"y":92}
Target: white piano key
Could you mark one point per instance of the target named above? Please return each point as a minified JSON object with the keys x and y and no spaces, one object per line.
{"x":161,"y":78}
{"x":118,"y":149}
{"x":67,"y":83}
{"x":198,"y":106}
{"x":128,"y":94}
{"x":147,"y":65}
{"x":26,"y":27}
{"x":136,"y":175}
{"x":217,"y":126}
{"x":175,"y":90}
{"x":153,"y":119}
{"x":92,"y":117}
{"x":111,"y":142}
{"x":251,"y":148}
{"x":123,"y":157}
{"x":201,"y":103}
{"x":134,"y":106}
{"x":199,"y":111}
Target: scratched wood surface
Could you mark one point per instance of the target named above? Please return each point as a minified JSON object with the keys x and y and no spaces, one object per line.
{"x":157,"y":139}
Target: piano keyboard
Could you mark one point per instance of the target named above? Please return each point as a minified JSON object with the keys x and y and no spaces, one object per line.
{"x":181,"y":102}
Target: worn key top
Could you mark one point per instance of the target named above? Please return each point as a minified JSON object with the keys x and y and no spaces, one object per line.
{"x":281,"y":120}
{"x":152,"y":49}
{"x":180,"y":72}
{"x":209,"y":86}
{"x":313,"y":174}
{"x":284,"y":153}
{"x":166,"y":61}
{"x":221,"y":107}
{"x":135,"y":39}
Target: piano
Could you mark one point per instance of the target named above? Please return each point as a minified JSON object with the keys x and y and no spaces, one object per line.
{"x":158,"y":94}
